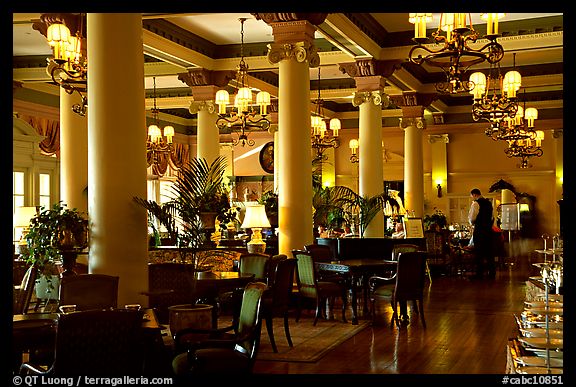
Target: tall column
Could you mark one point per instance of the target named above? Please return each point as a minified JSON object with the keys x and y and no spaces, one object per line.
{"x":439,"y":166}
{"x":204,"y":85}
{"x":413,"y":123}
{"x":117,"y":152}
{"x":294,"y":52}
{"x":73,"y":153}
{"x":371,"y":177}
{"x":370,"y":77}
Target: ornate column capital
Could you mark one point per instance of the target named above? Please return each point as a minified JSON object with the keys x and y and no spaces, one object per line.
{"x":369,"y":67}
{"x":411,"y":98}
{"x":203,"y":77}
{"x":196,"y":106}
{"x":269,"y":18}
{"x":273,"y":129}
{"x":300,"y":51}
{"x":433,"y":138}
{"x":418,"y":122}
{"x":376,"y":97}
{"x":557,"y":133}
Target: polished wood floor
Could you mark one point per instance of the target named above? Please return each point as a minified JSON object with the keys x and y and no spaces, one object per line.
{"x":468,"y":325}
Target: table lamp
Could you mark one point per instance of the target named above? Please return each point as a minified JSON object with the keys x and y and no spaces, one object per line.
{"x":255,"y":219}
{"x":22,"y":217}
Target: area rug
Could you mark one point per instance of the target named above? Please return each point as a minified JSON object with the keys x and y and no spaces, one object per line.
{"x":311,"y":342}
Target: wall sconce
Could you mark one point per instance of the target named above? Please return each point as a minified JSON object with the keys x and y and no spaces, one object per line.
{"x":353,"y":144}
{"x":439,"y":188}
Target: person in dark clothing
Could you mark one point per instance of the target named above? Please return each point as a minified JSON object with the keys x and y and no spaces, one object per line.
{"x":481,"y":218}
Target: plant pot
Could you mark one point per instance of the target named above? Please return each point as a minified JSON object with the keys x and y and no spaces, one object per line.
{"x":43,"y":289}
{"x":190,"y":315}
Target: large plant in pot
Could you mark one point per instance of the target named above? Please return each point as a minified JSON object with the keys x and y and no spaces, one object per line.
{"x":198,"y":196}
{"x":56,"y":235}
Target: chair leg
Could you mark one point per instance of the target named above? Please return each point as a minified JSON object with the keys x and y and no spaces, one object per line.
{"x":287,"y":330}
{"x":421,"y":309}
{"x":395,"y":318}
{"x":428,"y":272}
{"x":270,"y":329}
{"x":344,"y":305}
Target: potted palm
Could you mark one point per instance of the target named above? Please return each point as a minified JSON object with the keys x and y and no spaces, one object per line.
{"x":56,"y":235}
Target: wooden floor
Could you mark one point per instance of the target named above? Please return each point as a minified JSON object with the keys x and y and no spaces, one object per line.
{"x":468,"y":325}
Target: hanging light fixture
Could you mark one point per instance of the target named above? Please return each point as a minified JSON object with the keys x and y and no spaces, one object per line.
{"x":242,"y":118}
{"x":455,"y":33}
{"x":323,"y":136}
{"x":519,"y":133}
{"x":495,"y":96}
{"x":159,"y":141}
{"x":353,"y":144}
{"x":68,"y":67}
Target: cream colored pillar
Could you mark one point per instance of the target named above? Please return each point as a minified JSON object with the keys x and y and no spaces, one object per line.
{"x":371,"y":178}
{"x":413,"y":163}
{"x":294,"y":144}
{"x":208,"y":136}
{"x":73,"y":153}
{"x":329,"y":168}
{"x":439,"y":168}
{"x":558,"y":136}
{"x":117,"y":152}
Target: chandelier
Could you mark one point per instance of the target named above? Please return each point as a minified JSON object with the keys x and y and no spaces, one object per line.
{"x":156,"y":143}
{"x":488,"y":104}
{"x":455,"y":33}
{"x":323,"y":135}
{"x":353,"y":144}
{"x":519,"y":133}
{"x":68,"y":68}
{"x":242,"y":118}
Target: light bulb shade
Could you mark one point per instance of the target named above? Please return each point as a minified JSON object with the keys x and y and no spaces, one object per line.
{"x":519,"y":115}
{"x":530,"y":115}
{"x":154,"y":133}
{"x":222,"y":99}
{"x":57,"y":32}
{"x":73,"y":50}
{"x":353,"y":144}
{"x":23,"y":215}
{"x":335,"y":125}
{"x":263,"y":100}
{"x":512,"y":82}
{"x":419,"y":20}
{"x":479,"y":80}
{"x":169,"y":133}
{"x":255,"y":217}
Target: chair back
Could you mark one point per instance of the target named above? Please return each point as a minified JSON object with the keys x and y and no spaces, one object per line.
{"x":306,"y":274}
{"x":320,"y":253}
{"x":23,"y":294}
{"x":99,"y":342}
{"x":410,"y":275}
{"x":403,"y":248}
{"x":169,"y":283}
{"x":89,"y":291}
{"x":272,"y":265}
{"x":254,"y":263}
{"x":250,"y":320}
{"x":280,"y":290}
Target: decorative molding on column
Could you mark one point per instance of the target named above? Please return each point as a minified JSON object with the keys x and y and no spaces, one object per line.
{"x":273,"y":129}
{"x":203,"y":77}
{"x":196,"y":106}
{"x":418,"y":122}
{"x":432,"y":138}
{"x":268,"y":18}
{"x":557,"y":133}
{"x":438,"y":118}
{"x":411,"y":98}
{"x":375,"y":97}
{"x":370,"y":67}
{"x":300,"y":51}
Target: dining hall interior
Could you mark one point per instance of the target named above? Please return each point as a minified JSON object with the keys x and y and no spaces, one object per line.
{"x":317,"y":133}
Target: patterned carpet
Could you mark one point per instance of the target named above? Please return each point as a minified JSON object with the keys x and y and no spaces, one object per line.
{"x":310,"y":342}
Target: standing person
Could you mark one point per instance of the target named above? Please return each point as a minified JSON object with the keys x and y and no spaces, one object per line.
{"x":481,"y":219}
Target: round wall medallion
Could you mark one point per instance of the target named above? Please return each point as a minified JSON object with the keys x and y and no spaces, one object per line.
{"x":267,"y":157}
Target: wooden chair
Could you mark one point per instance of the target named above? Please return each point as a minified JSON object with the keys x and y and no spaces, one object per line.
{"x":23,"y":292}
{"x":229,"y":350}
{"x":96,"y":343}
{"x":254,"y":263}
{"x":276,"y":300}
{"x":323,"y":253}
{"x":309,"y":286}
{"x":89,"y":291}
{"x":407,"y":284}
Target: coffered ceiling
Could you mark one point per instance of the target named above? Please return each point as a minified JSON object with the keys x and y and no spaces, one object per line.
{"x":175,"y":42}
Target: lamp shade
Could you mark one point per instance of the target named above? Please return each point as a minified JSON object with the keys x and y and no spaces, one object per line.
{"x":255,"y":217}
{"x":23,"y":215}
